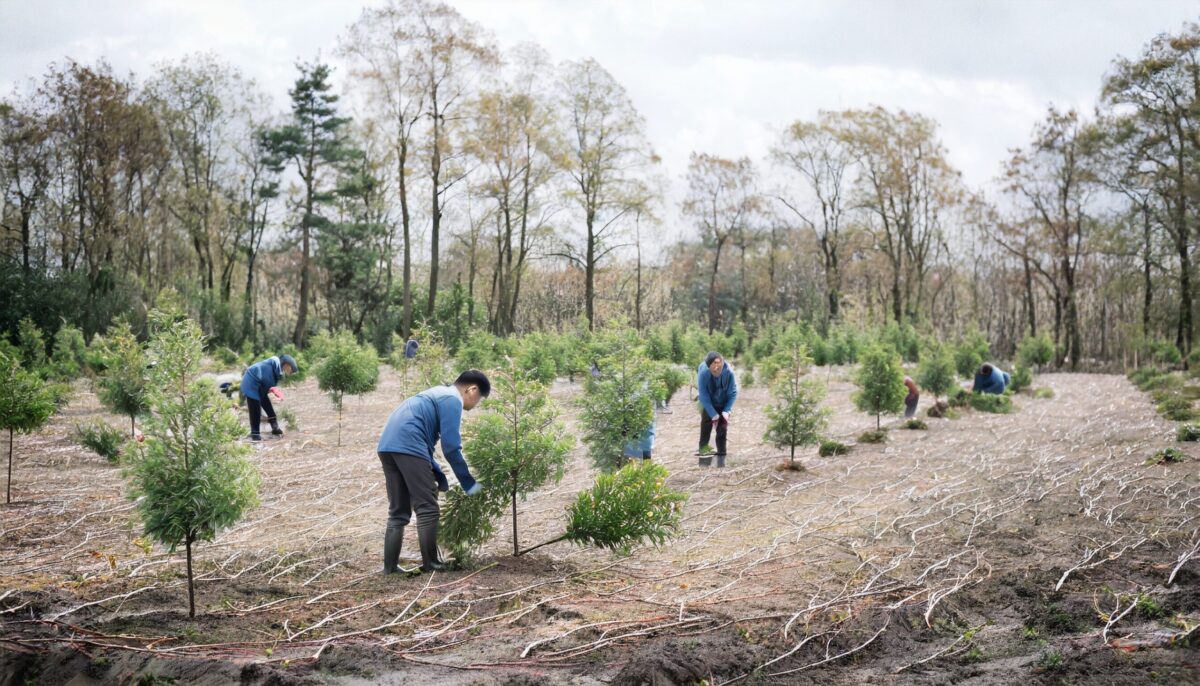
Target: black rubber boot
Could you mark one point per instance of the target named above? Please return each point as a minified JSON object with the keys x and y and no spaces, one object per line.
{"x":720,"y":459}
{"x":256,"y":436}
{"x":427,"y":537}
{"x":706,"y":460}
{"x":275,"y":430}
{"x":393,"y":540}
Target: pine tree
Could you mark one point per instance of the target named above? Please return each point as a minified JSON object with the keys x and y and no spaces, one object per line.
{"x":515,"y":448}
{"x":25,"y":405}
{"x":123,"y":387}
{"x":190,"y":477}
{"x":32,"y":343}
{"x":348,"y":369}
{"x":618,"y":406}
{"x":936,"y":373}
{"x":796,"y":417}
{"x":880,"y":380}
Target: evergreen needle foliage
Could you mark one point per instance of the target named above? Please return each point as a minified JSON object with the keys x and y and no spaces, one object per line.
{"x":830,"y":448}
{"x":101,"y":439}
{"x":190,"y":478}
{"x":937,"y":373}
{"x":795,"y":417}
{"x":619,"y":406}
{"x":626,"y":507}
{"x":25,"y":405}
{"x":516,"y":447}
{"x":123,"y":386}
{"x":880,"y":380}
{"x":348,"y":369}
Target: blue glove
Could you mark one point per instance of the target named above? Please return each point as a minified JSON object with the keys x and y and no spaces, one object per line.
{"x":474,"y":489}
{"x":443,"y":485}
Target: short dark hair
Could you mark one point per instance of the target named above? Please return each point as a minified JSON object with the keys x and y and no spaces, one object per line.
{"x":712,"y":357}
{"x":474,"y":377}
{"x":985,"y":369}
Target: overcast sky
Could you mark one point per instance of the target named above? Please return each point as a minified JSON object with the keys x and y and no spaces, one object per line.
{"x":718,"y":77}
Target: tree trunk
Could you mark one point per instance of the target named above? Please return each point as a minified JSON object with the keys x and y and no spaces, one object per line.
{"x":8,"y":486}
{"x":1148,"y":295}
{"x":516,"y":547}
{"x":132,"y":426}
{"x":712,"y":289}
{"x":191,"y":578}
{"x":590,"y":272}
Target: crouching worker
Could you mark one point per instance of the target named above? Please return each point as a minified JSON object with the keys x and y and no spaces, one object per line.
{"x":258,"y":384}
{"x":718,"y":390}
{"x":413,"y":477}
{"x":990,"y":379}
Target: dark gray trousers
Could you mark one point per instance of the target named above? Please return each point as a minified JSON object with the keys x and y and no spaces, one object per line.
{"x":411,"y":486}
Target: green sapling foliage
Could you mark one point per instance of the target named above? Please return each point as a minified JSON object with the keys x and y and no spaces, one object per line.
{"x":880,"y":380}
{"x":795,"y":417}
{"x":123,"y":387}
{"x":618,"y":406}
{"x":25,"y":405}
{"x":936,"y":373}
{"x":517,"y":446}
{"x":348,"y":369}
{"x":190,"y":477}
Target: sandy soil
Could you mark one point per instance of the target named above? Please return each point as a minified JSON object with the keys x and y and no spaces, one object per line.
{"x":988,"y":549}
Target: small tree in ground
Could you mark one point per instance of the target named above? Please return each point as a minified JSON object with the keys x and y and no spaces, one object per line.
{"x":624,"y":508}
{"x":123,"y":386}
{"x":1036,"y":351}
{"x":936,"y":373}
{"x":619,"y":405}
{"x":348,"y":369}
{"x":25,"y":405}
{"x":68,"y":359}
{"x":795,"y":417}
{"x":190,"y":477}
{"x":32,"y":343}
{"x":880,"y":380}
{"x":516,"y":447}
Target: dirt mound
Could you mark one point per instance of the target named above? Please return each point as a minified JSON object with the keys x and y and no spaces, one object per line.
{"x":704,"y":658}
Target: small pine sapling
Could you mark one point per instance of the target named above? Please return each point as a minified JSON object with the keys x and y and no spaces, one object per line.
{"x":32,"y":343}
{"x":429,"y":368}
{"x":516,"y":447}
{"x":624,"y":508}
{"x":936,"y":372}
{"x":70,"y":350}
{"x":348,"y":369}
{"x":795,"y":416}
{"x":123,"y":386}
{"x":190,"y":477}
{"x":25,"y":405}
{"x":880,"y":380}
{"x":618,"y":406}
{"x":1036,"y":351}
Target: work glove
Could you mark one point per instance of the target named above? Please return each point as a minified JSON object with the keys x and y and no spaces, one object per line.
{"x":475,"y":489}
{"x":725,"y":415}
{"x":277,"y":393}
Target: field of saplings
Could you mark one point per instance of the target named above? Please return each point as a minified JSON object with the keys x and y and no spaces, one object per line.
{"x":1049,"y":534}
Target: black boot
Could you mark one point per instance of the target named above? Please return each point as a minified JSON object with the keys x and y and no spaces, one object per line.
{"x":427,"y":537}
{"x":720,"y":459}
{"x":255,"y":436}
{"x":393,"y":539}
{"x":706,"y":460}
{"x":275,"y":430}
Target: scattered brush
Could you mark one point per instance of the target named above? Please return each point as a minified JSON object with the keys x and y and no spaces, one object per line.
{"x":879,"y":436}
{"x":289,"y":419}
{"x":830,"y":448}
{"x":1167,"y":456}
{"x":987,"y":402}
{"x":1176,"y":408}
{"x":1189,"y":433}
{"x":790,"y":466}
{"x":960,"y":397}
{"x":1043,"y":393}
{"x":939,"y":409}
{"x":101,"y":439}
{"x":916,"y":425}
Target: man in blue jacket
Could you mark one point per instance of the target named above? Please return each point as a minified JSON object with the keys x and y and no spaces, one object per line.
{"x":413,"y":476}
{"x":410,"y":347}
{"x":990,"y":379}
{"x":258,"y":383}
{"x":718,"y":390}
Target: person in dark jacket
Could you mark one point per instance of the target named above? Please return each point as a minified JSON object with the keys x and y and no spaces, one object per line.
{"x":413,"y":477}
{"x":258,"y":384}
{"x":718,"y":390}
{"x":990,"y":379}
{"x":410,"y":348}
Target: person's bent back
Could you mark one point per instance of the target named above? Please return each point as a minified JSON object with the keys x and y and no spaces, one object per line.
{"x":990,"y":379}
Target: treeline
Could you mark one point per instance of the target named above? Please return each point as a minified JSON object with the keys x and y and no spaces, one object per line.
{"x":461,"y":187}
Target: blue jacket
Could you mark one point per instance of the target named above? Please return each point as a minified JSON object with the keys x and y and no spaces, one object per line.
{"x":717,"y":393}
{"x":419,"y":422}
{"x":260,"y":377}
{"x":410,"y":349}
{"x":994,"y":384}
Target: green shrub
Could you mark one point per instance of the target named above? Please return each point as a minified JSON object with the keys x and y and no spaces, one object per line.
{"x":936,"y":373}
{"x":288,"y":415}
{"x":1188,"y":433}
{"x":618,"y":407}
{"x":970,"y":353}
{"x":1022,"y":378}
{"x":829,"y":448}
{"x":916,"y":425}
{"x":348,"y":369}
{"x":671,"y":378}
{"x":227,"y":357}
{"x":1167,"y":456}
{"x":32,"y":343}
{"x":124,"y":386}
{"x":746,"y":378}
{"x":795,"y":417}
{"x":1176,"y":408}
{"x":25,"y":405}
{"x":70,"y":353}
{"x":881,"y":383}
{"x":1044,"y":393}
{"x":1166,"y":353}
{"x":626,"y":507}
{"x":959,"y":397}
{"x":1036,"y":351}
{"x":100,"y":438}
{"x":877,"y":436}
{"x":988,"y":402}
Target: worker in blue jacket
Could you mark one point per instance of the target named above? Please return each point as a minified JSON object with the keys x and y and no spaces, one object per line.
{"x":718,"y":390}
{"x":990,"y":379}
{"x":258,"y":384}
{"x":413,"y":476}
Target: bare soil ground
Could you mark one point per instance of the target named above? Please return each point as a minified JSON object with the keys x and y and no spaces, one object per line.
{"x":989,"y":549}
